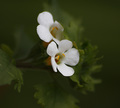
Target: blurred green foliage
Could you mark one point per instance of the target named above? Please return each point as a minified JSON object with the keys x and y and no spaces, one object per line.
{"x":52,"y":96}
{"x":8,"y":72}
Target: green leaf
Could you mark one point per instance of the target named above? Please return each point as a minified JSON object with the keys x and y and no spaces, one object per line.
{"x":7,"y":49}
{"x":76,"y":78}
{"x":8,"y":72}
{"x":89,"y":66}
{"x":89,"y":83}
{"x":86,"y":68}
{"x":52,"y":96}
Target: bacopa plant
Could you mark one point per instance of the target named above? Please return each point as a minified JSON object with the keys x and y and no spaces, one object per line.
{"x":65,"y":61}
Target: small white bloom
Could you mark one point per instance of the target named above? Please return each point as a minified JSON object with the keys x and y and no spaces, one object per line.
{"x":62,"y":56}
{"x":48,"y":29}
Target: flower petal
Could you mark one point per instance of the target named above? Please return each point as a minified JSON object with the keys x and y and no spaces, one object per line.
{"x":71,"y":57}
{"x":56,"y":40}
{"x":54,"y":65}
{"x":65,"y":70}
{"x":44,"y":33}
{"x":45,"y":19}
{"x":59,"y":26}
{"x":52,"y":49}
{"x":59,"y":34}
{"x":65,"y":45}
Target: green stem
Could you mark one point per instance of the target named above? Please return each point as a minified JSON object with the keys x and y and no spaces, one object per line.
{"x":32,"y":66}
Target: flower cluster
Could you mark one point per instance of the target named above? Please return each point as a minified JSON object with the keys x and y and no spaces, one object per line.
{"x":60,"y":50}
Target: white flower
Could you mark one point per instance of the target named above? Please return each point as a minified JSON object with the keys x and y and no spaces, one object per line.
{"x":48,"y":29}
{"x":62,"y":56}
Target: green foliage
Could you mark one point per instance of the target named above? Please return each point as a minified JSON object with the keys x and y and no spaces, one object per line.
{"x":52,"y":96}
{"x":87,"y":67}
{"x":6,"y":49}
{"x":8,"y":72}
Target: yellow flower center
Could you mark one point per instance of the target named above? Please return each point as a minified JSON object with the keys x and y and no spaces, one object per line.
{"x":59,"y":57}
{"x":54,"y":28}
{"x":53,"y":31}
{"x":63,"y":54}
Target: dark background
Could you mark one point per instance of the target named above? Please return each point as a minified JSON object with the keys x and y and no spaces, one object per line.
{"x":100,"y":19}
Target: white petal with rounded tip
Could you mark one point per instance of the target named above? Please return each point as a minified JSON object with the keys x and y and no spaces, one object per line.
{"x":59,"y":26}
{"x":65,"y":70}
{"x":71,"y":57}
{"x":54,"y":65}
{"x":65,"y":45}
{"x":52,"y":49}
{"x":44,"y":33}
{"x":45,"y":18}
